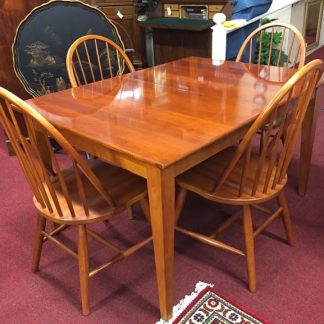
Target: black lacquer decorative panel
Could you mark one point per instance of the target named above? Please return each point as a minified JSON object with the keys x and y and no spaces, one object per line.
{"x":44,"y":37}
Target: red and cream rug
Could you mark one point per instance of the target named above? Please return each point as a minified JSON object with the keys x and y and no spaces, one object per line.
{"x":207,"y":306}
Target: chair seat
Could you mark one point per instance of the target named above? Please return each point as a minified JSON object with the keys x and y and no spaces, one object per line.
{"x":202,"y":178}
{"x":124,"y":187}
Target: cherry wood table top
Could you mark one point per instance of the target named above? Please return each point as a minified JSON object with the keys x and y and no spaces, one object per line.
{"x":159,"y":122}
{"x":162,"y":114}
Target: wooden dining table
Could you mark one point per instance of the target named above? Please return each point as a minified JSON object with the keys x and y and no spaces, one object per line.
{"x":159,"y":122}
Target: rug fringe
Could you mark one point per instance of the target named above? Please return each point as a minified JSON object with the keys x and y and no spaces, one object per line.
{"x":184,"y":303}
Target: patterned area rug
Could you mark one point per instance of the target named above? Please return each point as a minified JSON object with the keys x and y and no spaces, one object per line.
{"x":207,"y":306}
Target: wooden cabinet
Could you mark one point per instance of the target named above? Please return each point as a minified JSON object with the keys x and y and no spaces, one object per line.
{"x":123,"y":14}
{"x":182,"y":28}
{"x":184,"y":42}
{"x":197,"y":9}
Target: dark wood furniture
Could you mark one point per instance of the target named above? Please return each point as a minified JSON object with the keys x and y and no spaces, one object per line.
{"x":123,"y":13}
{"x":248,"y":176}
{"x":192,"y":9}
{"x":181,"y":28}
{"x":85,"y":193}
{"x":169,"y":39}
{"x":158,"y":123}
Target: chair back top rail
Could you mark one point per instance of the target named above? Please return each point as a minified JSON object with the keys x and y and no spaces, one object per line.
{"x":275,"y":43}
{"x":93,"y":57}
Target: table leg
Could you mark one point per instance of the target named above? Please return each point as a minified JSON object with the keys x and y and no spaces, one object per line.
{"x":307,"y":140}
{"x":161,"y":190}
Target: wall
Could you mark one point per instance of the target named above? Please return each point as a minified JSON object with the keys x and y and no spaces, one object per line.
{"x":295,"y":14}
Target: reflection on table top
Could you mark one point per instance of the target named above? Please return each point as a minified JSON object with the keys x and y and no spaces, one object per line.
{"x":162,"y":114}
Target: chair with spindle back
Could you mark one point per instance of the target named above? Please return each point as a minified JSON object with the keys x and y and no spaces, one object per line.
{"x":246,"y":177}
{"x":85,"y":192}
{"x":93,"y":57}
{"x":275,"y":43}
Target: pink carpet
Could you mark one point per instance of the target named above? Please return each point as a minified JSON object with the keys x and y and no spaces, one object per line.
{"x":290,"y":288}
{"x":289,"y":279}
{"x":319,"y":53}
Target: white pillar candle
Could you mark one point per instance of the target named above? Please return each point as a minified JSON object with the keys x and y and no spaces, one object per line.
{"x":219,"y":38}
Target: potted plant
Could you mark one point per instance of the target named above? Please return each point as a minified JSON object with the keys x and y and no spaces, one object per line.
{"x":265,"y":43}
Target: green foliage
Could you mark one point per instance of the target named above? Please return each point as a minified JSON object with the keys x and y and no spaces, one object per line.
{"x":264,"y":21}
{"x":275,"y":52}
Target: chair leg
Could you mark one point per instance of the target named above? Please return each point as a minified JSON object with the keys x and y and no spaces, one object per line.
{"x":249,"y":247}
{"x":38,"y":242}
{"x":179,"y":203}
{"x":83,"y":258}
{"x":286,"y":217}
{"x":130,"y":212}
{"x":227,"y":223}
{"x":145,"y":208}
{"x":144,"y":203}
